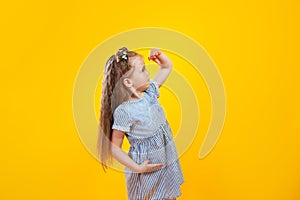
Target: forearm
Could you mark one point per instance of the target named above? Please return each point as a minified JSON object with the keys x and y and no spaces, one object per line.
{"x":123,"y":158}
{"x":163,"y":72}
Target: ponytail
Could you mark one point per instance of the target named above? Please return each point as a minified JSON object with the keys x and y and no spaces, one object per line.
{"x":113,"y":94}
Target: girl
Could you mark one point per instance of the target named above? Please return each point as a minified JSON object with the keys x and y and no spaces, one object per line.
{"x":129,"y":107}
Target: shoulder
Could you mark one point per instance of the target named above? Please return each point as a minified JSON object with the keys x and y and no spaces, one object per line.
{"x":153,"y":88}
{"x":122,"y":109}
{"x":121,"y":119}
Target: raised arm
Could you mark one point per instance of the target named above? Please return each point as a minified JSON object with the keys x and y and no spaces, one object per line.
{"x":123,"y":158}
{"x":165,"y":65}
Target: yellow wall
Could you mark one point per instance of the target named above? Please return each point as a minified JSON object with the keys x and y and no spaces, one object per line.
{"x":254,"y":44}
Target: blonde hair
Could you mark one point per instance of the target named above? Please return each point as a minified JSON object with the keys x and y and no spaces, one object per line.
{"x":113,"y":94}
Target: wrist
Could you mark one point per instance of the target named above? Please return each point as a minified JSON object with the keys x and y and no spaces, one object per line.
{"x":137,"y":168}
{"x":168,"y":65}
{"x":166,"y":62}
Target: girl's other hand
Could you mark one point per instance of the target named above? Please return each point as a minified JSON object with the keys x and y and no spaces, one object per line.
{"x":147,"y":167}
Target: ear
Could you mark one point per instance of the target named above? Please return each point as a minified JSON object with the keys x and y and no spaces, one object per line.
{"x":127,"y":82}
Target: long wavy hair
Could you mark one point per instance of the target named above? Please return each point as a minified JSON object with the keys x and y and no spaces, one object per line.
{"x":113,"y":94}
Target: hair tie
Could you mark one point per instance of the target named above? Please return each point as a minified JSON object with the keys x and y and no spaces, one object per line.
{"x":124,"y":56}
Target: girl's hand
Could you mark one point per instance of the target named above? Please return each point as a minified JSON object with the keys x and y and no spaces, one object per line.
{"x":147,"y":167}
{"x":160,"y":58}
{"x":165,"y":65}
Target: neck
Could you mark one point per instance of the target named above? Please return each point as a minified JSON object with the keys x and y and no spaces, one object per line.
{"x":136,"y":95}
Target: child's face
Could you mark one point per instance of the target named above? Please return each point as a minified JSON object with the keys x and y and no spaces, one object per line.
{"x":140,"y":76}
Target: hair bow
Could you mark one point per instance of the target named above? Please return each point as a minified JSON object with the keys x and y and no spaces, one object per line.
{"x":124,"y":56}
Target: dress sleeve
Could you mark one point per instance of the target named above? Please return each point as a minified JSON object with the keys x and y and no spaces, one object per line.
{"x":122,"y":120}
{"x":153,"y":88}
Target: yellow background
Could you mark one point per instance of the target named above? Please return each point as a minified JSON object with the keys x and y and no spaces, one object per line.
{"x":254,"y":44}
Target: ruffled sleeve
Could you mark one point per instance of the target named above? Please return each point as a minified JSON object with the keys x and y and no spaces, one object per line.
{"x":122,"y":120}
{"x":153,"y":88}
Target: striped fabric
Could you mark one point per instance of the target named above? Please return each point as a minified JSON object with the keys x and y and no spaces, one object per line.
{"x":150,"y":137}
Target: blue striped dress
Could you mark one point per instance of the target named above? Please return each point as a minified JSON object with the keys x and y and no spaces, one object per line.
{"x":150,"y":137}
